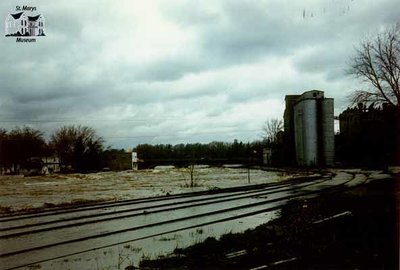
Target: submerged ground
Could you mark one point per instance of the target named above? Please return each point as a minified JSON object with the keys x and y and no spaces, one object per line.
{"x":27,"y":193}
{"x":355,"y":229}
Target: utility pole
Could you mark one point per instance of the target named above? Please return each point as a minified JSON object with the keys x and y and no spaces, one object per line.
{"x":248,"y":172}
{"x":249,"y":164}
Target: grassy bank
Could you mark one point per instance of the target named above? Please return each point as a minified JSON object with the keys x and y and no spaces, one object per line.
{"x":356,"y":229}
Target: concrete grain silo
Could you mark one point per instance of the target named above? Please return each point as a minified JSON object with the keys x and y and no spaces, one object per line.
{"x":313,"y":129}
{"x":328,"y":132}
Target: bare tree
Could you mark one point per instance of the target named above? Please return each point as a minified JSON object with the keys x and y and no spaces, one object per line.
{"x":271,"y":129}
{"x":377,"y":62}
{"x":78,"y":146}
{"x":19,"y":145}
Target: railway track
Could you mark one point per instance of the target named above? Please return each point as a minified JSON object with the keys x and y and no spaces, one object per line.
{"x":25,"y":224}
{"x":34,"y":238}
{"x":103,"y":205}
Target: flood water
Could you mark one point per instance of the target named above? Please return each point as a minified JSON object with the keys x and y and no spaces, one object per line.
{"x":23,"y":192}
{"x":19,"y":193}
{"x":130,"y":253}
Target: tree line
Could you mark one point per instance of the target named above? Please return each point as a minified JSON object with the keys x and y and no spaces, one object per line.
{"x":81,"y":149}
{"x":78,"y":148}
{"x":224,"y":151}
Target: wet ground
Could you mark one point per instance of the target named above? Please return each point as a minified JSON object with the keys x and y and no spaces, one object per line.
{"x":131,"y":247}
{"x":24,"y":193}
{"x":356,"y":229}
{"x":128,"y":253}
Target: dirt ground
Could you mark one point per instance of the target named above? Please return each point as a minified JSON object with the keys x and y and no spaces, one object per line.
{"x":26,"y":193}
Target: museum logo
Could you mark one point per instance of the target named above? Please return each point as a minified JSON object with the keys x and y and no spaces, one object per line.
{"x":25,"y":24}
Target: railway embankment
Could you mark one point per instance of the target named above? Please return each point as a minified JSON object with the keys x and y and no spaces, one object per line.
{"x":355,"y":229}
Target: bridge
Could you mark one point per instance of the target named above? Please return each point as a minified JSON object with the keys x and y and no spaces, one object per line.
{"x":184,"y":162}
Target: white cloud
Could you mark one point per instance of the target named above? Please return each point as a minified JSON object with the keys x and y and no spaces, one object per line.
{"x":180,"y":71}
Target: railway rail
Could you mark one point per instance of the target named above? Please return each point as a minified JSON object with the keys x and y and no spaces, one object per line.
{"x":33,"y":238}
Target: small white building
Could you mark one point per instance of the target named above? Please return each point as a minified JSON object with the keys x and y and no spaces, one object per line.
{"x":267,"y":156}
{"x":134,"y":161}
{"x":19,"y":24}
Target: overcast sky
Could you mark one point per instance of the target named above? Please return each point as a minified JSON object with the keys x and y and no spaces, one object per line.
{"x":179,"y":71}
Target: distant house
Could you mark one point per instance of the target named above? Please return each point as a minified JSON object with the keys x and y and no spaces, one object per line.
{"x":51,"y":164}
{"x":19,"y":24}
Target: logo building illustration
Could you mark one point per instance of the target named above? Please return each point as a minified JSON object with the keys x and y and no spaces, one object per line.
{"x":19,"y":24}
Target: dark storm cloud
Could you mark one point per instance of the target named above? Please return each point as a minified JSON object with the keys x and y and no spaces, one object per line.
{"x":178,"y":68}
{"x":330,"y":59}
{"x":237,"y":33}
{"x":168,"y":70}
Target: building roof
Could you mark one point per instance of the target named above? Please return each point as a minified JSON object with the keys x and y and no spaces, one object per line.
{"x":291,"y":96}
{"x":16,"y":16}
{"x":34,"y":18}
{"x":312,"y":94}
